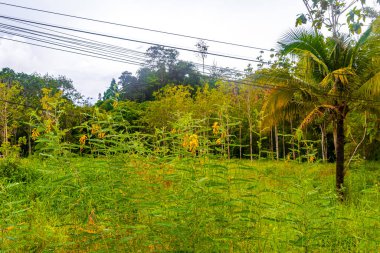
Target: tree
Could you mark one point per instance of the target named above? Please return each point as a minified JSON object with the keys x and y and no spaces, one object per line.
{"x":202,"y":52}
{"x":184,"y":73}
{"x":148,"y":83}
{"x":329,"y":12}
{"x":10,"y":111}
{"x":249,"y":100}
{"x":162,"y":60}
{"x":112,"y":90}
{"x":33,"y":84}
{"x":333,"y":77}
{"x":129,"y":87}
{"x":170,"y":103}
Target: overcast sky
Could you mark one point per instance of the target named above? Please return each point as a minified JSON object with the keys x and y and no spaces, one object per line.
{"x":256,"y":23}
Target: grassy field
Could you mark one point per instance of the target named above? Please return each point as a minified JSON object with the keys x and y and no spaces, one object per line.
{"x":135,"y":204}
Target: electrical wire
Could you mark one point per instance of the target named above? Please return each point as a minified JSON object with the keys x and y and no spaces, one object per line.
{"x":62,"y":40}
{"x":137,"y":27}
{"x":73,"y":52}
{"x":106,"y":47}
{"x":133,"y":52}
{"x":131,"y":40}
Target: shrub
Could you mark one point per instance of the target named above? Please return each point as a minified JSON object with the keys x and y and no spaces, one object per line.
{"x":13,"y":171}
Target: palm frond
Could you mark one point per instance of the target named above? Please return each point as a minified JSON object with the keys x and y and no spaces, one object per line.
{"x":308,"y":55}
{"x":277,"y":100}
{"x":340,"y":74}
{"x":317,"y":112}
{"x":370,"y":88}
{"x":305,"y":44}
{"x":364,"y":37}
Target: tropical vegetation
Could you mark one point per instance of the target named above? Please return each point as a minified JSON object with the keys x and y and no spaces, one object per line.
{"x":174,"y":159}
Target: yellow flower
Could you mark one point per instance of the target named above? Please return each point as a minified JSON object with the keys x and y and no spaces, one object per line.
{"x":173,"y":131}
{"x":219,"y":141}
{"x":193,"y":143}
{"x":35,"y":134}
{"x":215,"y":128}
{"x":312,"y":159}
{"x":185,"y":142}
{"x":82,"y":139}
{"x":101,"y":135}
{"x":95,"y":128}
{"x":190,"y":142}
{"x":48,"y":125}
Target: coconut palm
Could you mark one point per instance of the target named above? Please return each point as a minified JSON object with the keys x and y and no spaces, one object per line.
{"x":333,"y":77}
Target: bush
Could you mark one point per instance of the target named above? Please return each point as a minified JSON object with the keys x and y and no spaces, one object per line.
{"x":13,"y":171}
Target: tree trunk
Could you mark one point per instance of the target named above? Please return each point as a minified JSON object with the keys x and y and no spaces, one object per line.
{"x":240,"y":141}
{"x":250,"y":141}
{"x":283,"y":140}
{"x":360,"y":143}
{"x":335,"y":135}
{"x":271,"y":143}
{"x":228,"y":140}
{"x":339,"y":148}
{"x":323,"y":142}
{"x":30,"y":141}
{"x":276,"y":141}
{"x":203,"y":64}
{"x":292,"y":141}
{"x":5,"y":141}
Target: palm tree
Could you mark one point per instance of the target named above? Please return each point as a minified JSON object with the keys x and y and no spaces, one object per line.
{"x":333,"y":77}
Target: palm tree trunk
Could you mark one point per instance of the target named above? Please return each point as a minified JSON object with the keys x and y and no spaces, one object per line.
{"x":340,"y":154}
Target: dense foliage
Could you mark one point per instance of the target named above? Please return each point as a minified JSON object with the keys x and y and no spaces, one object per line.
{"x":137,"y":204}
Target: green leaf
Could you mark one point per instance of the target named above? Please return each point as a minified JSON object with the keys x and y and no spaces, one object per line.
{"x":301,"y":20}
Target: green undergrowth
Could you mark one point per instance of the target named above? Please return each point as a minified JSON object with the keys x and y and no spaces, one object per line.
{"x":136,"y":204}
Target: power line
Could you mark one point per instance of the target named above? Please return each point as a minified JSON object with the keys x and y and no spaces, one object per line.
{"x":73,"y":52}
{"x":79,"y":37}
{"x":61,"y":39}
{"x":97,"y":50}
{"x":118,"y":49}
{"x":99,"y":46}
{"x":137,"y":27}
{"x":62,"y":45}
{"x":132,"y":40}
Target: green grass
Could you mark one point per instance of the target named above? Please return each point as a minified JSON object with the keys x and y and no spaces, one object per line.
{"x":135,"y":204}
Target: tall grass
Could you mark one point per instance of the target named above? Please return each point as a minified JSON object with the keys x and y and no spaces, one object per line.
{"x":135,"y":204}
